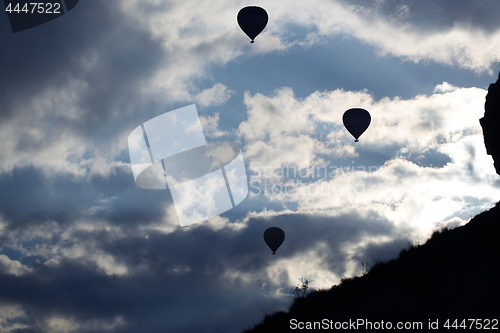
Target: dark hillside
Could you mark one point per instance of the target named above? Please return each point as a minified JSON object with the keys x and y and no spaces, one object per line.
{"x":454,"y":275}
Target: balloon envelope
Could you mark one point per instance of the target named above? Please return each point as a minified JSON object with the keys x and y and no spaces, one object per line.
{"x":274,"y":237}
{"x":356,"y":121}
{"x":252,"y":20}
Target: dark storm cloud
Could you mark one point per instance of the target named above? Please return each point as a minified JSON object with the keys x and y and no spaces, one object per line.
{"x":218,"y":250}
{"x":184,"y":281}
{"x":92,"y":45}
{"x":430,"y":15}
{"x":303,"y":232}
{"x":28,"y":199}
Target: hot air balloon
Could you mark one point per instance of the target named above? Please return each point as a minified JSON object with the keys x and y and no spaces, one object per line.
{"x":356,"y":121}
{"x":252,"y":21}
{"x":274,"y":237}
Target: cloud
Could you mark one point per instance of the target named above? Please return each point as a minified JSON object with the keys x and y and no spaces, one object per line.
{"x":442,"y":32}
{"x":12,"y":317}
{"x":59,"y":324}
{"x":228,"y":267}
{"x":12,"y":267}
{"x":435,"y":15}
{"x":424,"y":122}
{"x":210,"y":125}
{"x":217,"y":95}
{"x":418,"y":31}
{"x":72,"y":114}
{"x":445,"y":87}
{"x":278,"y":130}
{"x":432,"y":148}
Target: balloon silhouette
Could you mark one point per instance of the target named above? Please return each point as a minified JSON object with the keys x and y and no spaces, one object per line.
{"x":274,"y":237}
{"x":25,"y":14}
{"x":356,"y":121}
{"x":252,"y":20}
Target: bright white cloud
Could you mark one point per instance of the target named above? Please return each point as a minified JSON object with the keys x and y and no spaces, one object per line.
{"x":217,"y":95}
{"x":462,"y":45}
{"x":444,"y":88}
{"x":278,"y":130}
{"x":411,"y":131}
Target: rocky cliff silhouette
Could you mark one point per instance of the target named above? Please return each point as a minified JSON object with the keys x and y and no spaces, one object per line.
{"x":491,"y":123}
{"x":454,"y":275}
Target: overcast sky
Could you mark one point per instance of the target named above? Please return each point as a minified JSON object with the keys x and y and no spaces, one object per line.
{"x":84,"y":249}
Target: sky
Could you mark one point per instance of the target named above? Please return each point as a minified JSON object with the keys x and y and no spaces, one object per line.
{"x":84,"y":249}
